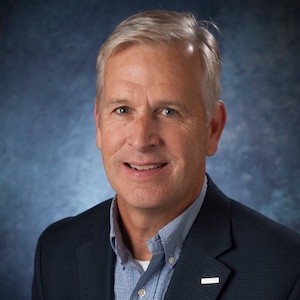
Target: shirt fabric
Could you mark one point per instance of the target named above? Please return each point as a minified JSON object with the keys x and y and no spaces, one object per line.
{"x":131,"y":281}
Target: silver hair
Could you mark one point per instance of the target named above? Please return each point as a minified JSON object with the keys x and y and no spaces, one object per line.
{"x":168,"y":27}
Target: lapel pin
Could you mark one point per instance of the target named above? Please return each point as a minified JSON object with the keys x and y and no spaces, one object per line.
{"x":210,"y":280}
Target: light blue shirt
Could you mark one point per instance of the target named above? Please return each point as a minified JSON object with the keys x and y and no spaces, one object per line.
{"x":131,"y":282}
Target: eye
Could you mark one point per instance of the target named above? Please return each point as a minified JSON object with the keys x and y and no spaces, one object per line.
{"x":167,"y":111}
{"x":123,"y":110}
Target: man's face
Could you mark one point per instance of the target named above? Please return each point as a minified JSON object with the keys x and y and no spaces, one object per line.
{"x":151,"y":128}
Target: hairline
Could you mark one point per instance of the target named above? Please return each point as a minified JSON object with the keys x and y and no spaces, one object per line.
{"x":206,"y":49}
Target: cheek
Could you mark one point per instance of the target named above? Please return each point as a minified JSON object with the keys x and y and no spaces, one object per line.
{"x":181,"y":145}
{"x":191,"y":138}
{"x":194,"y":153}
{"x":112,"y":139}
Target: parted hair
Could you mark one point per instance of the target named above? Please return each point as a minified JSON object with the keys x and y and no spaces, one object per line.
{"x":168,"y":27}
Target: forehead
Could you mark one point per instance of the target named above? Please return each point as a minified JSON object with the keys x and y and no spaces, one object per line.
{"x":176,"y":63}
{"x":153,"y":74}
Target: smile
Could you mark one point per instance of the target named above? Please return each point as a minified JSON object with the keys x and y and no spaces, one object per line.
{"x":145,"y":167}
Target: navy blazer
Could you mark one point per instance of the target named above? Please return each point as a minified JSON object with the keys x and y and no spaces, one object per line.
{"x":231,"y":252}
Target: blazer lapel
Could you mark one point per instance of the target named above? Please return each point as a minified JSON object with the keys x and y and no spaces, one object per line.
{"x":198,"y":273}
{"x":96,"y":261}
{"x":197,"y":279}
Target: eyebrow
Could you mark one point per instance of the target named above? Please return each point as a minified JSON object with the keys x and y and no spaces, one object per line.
{"x":114,"y":102}
{"x":172,"y":103}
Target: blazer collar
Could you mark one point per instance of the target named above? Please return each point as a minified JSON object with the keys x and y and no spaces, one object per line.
{"x":198,"y":273}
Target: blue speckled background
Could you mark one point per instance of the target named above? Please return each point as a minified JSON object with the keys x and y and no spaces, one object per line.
{"x":49,"y":164}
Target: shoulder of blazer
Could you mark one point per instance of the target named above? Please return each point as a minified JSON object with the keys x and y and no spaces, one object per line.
{"x":244,"y":220}
{"x":251,"y":228}
{"x":78,"y":228}
{"x":74,"y":259}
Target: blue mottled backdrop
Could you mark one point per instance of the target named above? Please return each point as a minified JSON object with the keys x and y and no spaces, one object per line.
{"x":50,"y":167}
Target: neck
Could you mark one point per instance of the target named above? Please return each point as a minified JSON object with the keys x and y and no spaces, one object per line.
{"x":139,"y":225}
{"x":136,"y":231}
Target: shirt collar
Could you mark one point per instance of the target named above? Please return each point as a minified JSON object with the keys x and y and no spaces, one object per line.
{"x":169,"y":239}
{"x":116,"y":239}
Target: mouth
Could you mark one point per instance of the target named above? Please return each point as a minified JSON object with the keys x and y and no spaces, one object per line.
{"x":146,"y":167}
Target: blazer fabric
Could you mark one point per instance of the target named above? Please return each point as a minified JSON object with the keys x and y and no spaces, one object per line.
{"x":231,"y":252}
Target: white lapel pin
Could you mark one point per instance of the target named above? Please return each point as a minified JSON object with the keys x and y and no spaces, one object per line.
{"x":210,"y":280}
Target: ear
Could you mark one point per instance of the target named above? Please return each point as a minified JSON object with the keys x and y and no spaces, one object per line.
{"x":216,"y":126}
{"x":97,"y":123}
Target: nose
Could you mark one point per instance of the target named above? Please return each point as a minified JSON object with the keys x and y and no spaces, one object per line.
{"x":142,"y":133}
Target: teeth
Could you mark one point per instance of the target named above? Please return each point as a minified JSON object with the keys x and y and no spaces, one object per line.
{"x":145,"y":168}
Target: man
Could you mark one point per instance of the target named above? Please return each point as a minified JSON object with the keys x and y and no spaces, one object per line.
{"x":169,"y":233}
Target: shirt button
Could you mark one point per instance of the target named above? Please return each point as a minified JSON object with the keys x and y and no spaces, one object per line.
{"x":171,"y":260}
{"x":142,"y":293}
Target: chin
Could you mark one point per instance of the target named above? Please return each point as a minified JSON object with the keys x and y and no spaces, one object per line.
{"x":145,"y":201}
